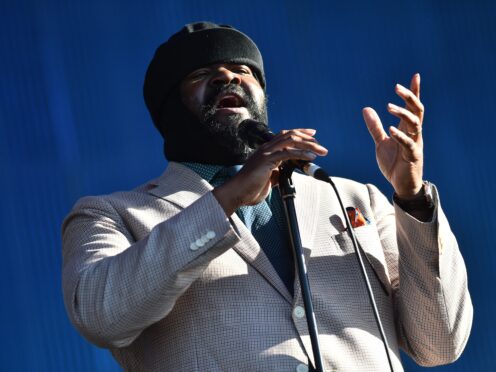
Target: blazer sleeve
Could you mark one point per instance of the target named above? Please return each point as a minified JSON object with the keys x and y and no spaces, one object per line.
{"x":115,"y":287}
{"x":433,"y":309}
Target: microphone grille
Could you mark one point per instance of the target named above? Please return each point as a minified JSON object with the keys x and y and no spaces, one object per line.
{"x":254,"y":133}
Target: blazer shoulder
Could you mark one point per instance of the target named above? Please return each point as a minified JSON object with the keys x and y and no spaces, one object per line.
{"x":116,"y":197}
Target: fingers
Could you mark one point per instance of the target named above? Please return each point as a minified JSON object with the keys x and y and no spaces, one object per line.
{"x":414,"y":126}
{"x":253,"y":182}
{"x":411,"y":98}
{"x":287,"y":154}
{"x":404,"y":141}
{"x":305,"y":134}
{"x":294,"y":139}
{"x":415,"y":85}
{"x":304,"y":131}
{"x":309,"y":131}
{"x":412,"y":116}
{"x":374,"y":125}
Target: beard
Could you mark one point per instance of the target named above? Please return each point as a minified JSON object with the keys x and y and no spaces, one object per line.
{"x":226,"y":130}
{"x":203,"y":138}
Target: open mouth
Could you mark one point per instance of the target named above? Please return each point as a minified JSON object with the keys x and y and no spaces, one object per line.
{"x":230,"y":101}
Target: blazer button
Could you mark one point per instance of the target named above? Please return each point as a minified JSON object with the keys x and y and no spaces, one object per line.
{"x":440,"y":242}
{"x":199,"y":243}
{"x":299,"y":312}
{"x":302,"y":368}
{"x":211,"y":234}
{"x":193,"y":246}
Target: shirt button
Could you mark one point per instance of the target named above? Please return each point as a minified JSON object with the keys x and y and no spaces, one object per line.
{"x":299,"y":312}
{"x":193,"y":246}
{"x":302,"y":368}
{"x":211,"y":234}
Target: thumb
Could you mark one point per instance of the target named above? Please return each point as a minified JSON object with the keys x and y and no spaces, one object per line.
{"x":374,"y":124}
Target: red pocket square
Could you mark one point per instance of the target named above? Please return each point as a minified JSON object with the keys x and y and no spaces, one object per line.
{"x":356,"y":217}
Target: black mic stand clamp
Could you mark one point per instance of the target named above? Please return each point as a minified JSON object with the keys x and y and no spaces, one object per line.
{"x":288,"y":192}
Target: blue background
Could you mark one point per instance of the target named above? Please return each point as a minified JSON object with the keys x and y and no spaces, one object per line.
{"x":73,"y":123}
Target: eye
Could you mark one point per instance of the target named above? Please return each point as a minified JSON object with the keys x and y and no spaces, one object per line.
{"x":242,"y":70}
{"x":198,"y":74}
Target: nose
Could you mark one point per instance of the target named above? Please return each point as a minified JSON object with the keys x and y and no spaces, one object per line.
{"x":224,"y":76}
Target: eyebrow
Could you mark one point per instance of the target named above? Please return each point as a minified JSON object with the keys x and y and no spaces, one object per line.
{"x":229,"y":65}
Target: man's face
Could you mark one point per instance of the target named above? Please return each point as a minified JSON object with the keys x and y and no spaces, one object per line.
{"x":225,"y":93}
{"x":221,"y":96}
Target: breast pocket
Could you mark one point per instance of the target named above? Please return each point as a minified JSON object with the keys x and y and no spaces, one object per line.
{"x":370,"y":245}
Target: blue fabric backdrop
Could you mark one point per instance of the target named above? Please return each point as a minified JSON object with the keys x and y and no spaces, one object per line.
{"x":73,"y":123}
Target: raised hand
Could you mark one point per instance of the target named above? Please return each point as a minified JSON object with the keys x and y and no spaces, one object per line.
{"x":400,"y":155}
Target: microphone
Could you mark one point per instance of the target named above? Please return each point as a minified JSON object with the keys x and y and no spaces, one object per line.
{"x":255,"y":133}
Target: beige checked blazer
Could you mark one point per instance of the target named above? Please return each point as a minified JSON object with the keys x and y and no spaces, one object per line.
{"x":161,"y":277}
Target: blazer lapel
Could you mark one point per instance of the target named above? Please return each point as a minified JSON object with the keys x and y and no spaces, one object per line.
{"x":251,"y":251}
{"x":181,"y":186}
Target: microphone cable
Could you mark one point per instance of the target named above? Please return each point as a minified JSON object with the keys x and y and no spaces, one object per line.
{"x":363,"y":270}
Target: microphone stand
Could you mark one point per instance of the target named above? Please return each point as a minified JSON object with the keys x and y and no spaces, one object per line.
{"x":288,"y":191}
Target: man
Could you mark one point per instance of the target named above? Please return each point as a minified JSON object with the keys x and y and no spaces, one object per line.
{"x":191,"y":271}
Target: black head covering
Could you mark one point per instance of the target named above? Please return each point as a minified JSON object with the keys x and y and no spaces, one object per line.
{"x":194,"y":46}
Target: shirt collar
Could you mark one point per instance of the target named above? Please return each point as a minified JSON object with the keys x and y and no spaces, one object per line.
{"x":205,"y":171}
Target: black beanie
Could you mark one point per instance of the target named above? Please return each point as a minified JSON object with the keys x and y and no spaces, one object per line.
{"x":196,"y":45}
